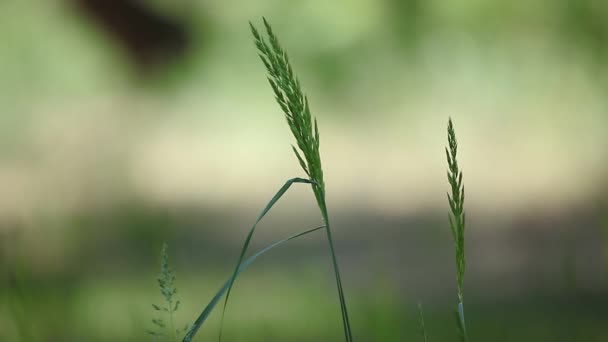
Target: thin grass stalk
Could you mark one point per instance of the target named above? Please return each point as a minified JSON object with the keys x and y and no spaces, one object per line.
{"x":346,"y":321}
{"x":421,"y":323}
{"x":604,"y":227}
{"x":457,"y":220}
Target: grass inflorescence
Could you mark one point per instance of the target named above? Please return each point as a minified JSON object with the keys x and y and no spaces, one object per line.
{"x":168,"y":290}
{"x":457,"y":221}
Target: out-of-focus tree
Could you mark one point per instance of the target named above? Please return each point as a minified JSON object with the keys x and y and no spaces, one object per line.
{"x":150,"y":37}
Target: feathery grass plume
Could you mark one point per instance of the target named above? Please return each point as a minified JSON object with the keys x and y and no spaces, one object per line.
{"x":421,"y":323}
{"x":166,"y":284}
{"x":295,"y":106}
{"x":457,"y":220}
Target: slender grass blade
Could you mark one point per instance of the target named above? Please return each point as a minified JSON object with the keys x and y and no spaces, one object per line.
{"x":212,"y":304}
{"x":266,"y":209}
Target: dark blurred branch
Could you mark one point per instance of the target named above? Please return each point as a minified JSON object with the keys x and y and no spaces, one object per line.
{"x":150,"y":38}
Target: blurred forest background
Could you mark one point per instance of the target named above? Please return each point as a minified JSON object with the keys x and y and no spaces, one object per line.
{"x":128,"y":123}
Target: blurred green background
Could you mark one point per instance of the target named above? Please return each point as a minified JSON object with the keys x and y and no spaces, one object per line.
{"x":125,"y":124}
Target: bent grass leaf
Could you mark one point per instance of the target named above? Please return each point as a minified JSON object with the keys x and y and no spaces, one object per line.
{"x":242,"y":267}
{"x":269,"y":206}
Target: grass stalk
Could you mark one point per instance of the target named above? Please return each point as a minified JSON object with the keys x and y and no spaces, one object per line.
{"x":604,"y":227}
{"x":294,"y":104}
{"x":457,"y":220}
{"x":421,"y":323}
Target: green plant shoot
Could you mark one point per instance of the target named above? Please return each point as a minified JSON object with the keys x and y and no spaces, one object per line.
{"x":294,"y":104}
{"x":166,"y":284}
{"x":457,"y":221}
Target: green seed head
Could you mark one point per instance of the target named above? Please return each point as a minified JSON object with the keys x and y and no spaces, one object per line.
{"x":456,"y":202}
{"x":294,"y":104}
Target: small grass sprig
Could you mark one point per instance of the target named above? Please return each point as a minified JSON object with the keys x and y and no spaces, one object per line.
{"x":457,"y":220}
{"x":166,"y":284}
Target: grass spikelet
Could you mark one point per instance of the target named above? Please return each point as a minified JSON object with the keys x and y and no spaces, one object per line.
{"x":457,"y":221}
